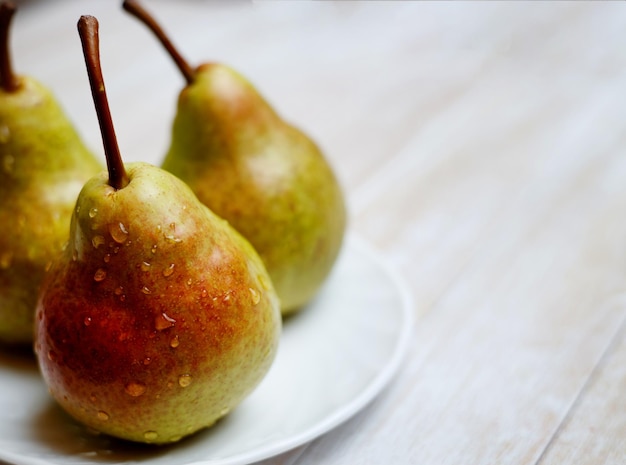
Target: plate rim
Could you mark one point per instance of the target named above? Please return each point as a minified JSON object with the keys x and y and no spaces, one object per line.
{"x":368,"y":394}
{"x":336,"y":417}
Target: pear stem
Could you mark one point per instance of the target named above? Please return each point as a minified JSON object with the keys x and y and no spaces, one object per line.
{"x":134,"y":8}
{"x":8,"y":80}
{"x":88,"y":31}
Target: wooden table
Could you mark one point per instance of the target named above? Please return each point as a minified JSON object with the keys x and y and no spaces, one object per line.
{"x":482,"y":149}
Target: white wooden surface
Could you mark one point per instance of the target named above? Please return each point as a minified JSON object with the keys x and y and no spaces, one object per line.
{"x":482,"y":148}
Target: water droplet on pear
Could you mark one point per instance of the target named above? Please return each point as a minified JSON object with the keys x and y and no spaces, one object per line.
{"x":97,"y":241}
{"x":184,"y":380}
{"x":118,"y":232}
{"x":100,"y":275}
{"x":163,"y":321}
{"x":256,"y":297}
{"x":135,"y":388}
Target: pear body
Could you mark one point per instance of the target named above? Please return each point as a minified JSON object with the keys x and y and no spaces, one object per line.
{"x":159,"y":318}
{"x":43,"y":166}
{"x":265,"y":177}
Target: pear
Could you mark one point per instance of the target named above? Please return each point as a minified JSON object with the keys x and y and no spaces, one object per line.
{"x":159,"y":318}
{"x":263,"y":175}
{"x":43,"y":166}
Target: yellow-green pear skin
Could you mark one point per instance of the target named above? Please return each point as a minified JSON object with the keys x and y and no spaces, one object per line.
{"x":43,"y":166}
{"x":264,"y":176}
{"x":159,"y":318}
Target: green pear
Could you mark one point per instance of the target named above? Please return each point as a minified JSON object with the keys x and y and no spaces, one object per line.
{"x":43,"y":166}
{"x":263,"y":175}
{"x":159,"y":318}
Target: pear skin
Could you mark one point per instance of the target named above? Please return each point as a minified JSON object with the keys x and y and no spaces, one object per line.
{"x":267,"y":178}
{"x":43,"y":166}
{"x":159,"y":318}
{"x":264,"y":176}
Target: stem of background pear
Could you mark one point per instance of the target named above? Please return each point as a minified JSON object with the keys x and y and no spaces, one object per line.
{"x":142,"y":15}
{"x":88,"y":31}
{"x":8,"y":80}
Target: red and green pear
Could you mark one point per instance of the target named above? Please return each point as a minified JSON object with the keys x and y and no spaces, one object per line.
{"x":159,"y":318}
{"x":43,"y":165}
{"x":266,"y":177}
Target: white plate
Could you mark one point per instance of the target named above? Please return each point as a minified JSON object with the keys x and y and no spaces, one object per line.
{"x":335,"y":357}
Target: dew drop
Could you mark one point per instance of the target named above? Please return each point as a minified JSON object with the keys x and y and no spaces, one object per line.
{"x":102,"y":415}
{"x":173,"y":226}
{"x":77,"y":209}
{"x":184,"y":380}
{"x":173,"y":239}
{"x":174,"y":342}
{"x":145,"y":266}
{"x":93,"y":212}
{"x":204,"y":293}
{"x":150,"y":435}
{"x":118,"y":232}
{"x":135,"y":389}
{"x":169,"y":270}
{"x":189,"y":282}
{"x":163,"y":321}
{"x":256,"y":297}
{"x":119,"y":290}
{"x":147,"y":361}
{"x":226,"y":297}
{"x":146,"y":291}
{"x":5,"y":260}
{"x":97,"y":241}
{"x":107,"y":258}
{"x":100,"y":275}
{"x":87,"y":321}
{"x":154,"y":248}
{"x":122,"y":298}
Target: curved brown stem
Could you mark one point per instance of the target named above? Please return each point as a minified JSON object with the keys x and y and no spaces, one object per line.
{"x":88,"y":31}
{"x":134,"y":8}
{"x":8,"y":80}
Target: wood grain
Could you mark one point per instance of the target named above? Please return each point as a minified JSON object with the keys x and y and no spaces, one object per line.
{"x":481,"y":149}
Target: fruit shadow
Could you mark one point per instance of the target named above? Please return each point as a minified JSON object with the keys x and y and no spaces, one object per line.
{"x":60,"y":433}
